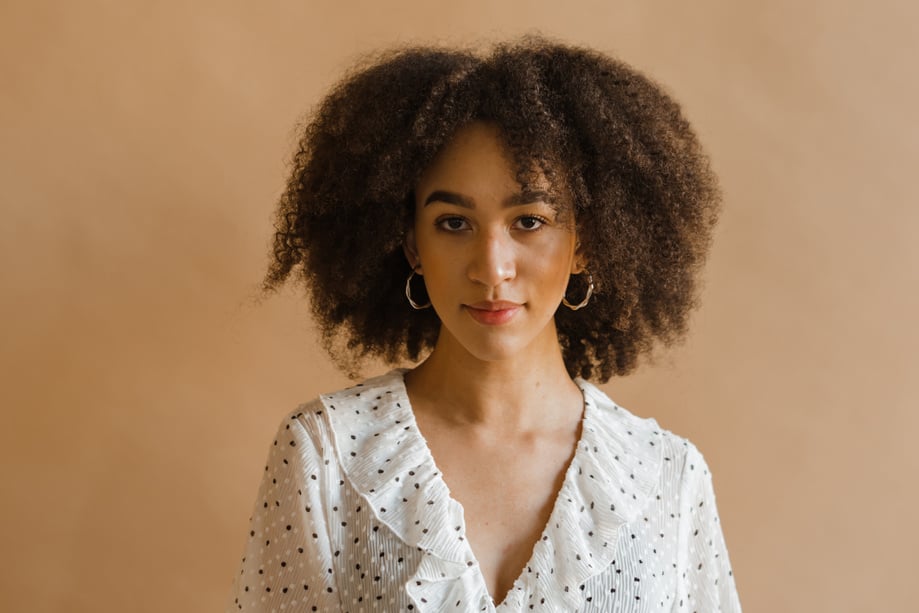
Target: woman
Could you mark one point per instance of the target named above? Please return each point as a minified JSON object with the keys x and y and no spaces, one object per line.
{"x":523,"y":220}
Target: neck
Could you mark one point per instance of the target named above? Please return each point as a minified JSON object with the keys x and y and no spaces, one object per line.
{"x":529,"y":391}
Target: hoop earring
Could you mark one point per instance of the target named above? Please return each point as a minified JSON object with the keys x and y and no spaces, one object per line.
{"x":582,"y":303}
{"x":408,"y":293}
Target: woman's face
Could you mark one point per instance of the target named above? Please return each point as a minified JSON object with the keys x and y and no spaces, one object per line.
{"x":495,"y":259}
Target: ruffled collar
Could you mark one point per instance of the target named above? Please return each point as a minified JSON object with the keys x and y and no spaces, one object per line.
{"x":613,"y":474}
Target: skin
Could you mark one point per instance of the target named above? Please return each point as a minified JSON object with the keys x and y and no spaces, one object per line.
{"x":494,"y":401}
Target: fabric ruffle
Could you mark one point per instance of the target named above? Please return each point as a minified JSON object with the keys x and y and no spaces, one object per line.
{"x":614,"y":472}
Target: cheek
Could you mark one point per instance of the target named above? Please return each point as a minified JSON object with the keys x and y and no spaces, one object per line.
{"x":441,"y":267}
{"x":425,"y":243}
{"x":554,"y":257}
{"x":432,"y":253}
{"x":554,"y":273}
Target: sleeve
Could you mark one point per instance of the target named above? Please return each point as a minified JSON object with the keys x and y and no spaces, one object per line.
{"x":706,"y":581}
{"x":287,"y":562}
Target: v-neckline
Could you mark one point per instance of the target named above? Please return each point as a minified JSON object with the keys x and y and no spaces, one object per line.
{"x":611,"y":476}
{"x":517,"y":585}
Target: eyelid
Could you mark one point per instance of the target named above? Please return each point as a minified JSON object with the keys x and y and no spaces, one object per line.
{"x":440,"y":221}
{"x":543,"y":221}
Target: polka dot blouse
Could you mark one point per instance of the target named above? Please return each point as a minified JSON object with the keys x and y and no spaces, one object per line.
{"x":353,"y":515}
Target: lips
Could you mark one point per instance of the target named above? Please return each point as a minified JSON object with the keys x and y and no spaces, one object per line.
{"x":493,"y":313}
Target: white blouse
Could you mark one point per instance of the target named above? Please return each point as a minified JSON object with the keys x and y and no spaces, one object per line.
{"x":353,"y":515}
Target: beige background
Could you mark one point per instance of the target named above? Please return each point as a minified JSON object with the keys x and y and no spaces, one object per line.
{"x":144,"y":144}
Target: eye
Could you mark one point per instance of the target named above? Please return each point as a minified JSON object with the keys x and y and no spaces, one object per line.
{"x":530,"y":222}
{"x":452,"y":224}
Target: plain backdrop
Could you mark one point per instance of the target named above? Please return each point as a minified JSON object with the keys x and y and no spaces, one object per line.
{"x":143,"y":146}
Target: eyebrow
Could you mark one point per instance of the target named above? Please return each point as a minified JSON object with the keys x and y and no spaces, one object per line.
{"x":520,"y":198}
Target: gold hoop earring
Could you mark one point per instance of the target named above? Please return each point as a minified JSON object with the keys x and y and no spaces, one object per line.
{"x":408,"y":293}
{"x":582,"y":303}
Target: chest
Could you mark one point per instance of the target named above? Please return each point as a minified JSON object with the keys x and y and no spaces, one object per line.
{"x":642,"y":575}
{"x":507,"y":491}
{"x":503,"y":489}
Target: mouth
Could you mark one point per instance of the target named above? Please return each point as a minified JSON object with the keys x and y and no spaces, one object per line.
{"x":493,"y":313}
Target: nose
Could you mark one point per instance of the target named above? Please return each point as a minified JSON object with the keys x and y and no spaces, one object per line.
{"x":493,"y":260}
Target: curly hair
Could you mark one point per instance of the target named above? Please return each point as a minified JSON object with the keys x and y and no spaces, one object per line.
{"x":644,"y":197}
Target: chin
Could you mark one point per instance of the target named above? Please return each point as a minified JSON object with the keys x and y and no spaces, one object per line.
{"x":498,"y":343}
{"x":494,"y":354}
{"x":498,"y":347}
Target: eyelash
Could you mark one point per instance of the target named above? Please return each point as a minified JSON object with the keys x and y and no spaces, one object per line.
{"x":443,"y":221}
{"x":542,"y":222}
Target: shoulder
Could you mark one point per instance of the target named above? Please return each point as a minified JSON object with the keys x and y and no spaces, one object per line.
{"x":314,"y":418}
{"x":674,"y":457}
{"x":374,"y":393}
{"x":344,"y":418}
{"x":303,"y":440}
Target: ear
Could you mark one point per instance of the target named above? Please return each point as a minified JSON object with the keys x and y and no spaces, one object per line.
{"x":579,"y":262}
{"x":410,"y":248}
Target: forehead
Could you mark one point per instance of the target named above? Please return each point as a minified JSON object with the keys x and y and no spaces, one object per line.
{"x":478,"y":162}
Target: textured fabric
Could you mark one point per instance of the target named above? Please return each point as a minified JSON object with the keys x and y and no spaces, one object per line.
{"x":352,"y":515}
